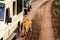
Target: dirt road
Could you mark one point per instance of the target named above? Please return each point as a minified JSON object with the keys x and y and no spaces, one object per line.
{"x":34,"y":14}
{"x":41,"y":22}
{"x":32,"y":35}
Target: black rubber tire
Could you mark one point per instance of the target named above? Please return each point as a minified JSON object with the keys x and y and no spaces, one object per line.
{"x":25,"y":11}
{"x":28,"y":8}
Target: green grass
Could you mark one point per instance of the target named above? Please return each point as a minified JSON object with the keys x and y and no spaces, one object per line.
{"x":57,"y":3}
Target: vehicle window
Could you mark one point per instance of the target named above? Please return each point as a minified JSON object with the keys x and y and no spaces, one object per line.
{"x":14,"y":9}
{"x":2,"y":8}
{"x":19,"y":6}
{"x":25,"y":3}
{"x":7,"y":14}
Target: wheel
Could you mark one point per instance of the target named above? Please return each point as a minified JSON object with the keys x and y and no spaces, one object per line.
{"x":28,"y":8}
{"x":25,"y":10}
{"x":17,"y":29}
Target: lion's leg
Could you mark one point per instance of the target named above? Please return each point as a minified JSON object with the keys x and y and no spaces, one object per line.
{"x":30,"y":28}
{"x":23,"y":30}
{"x":26,"y":31}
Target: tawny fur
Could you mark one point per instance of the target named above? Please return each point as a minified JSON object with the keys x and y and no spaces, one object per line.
{"x":26,"y":26}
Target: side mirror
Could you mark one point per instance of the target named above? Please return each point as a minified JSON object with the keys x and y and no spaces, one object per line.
{"x":9,"y":20}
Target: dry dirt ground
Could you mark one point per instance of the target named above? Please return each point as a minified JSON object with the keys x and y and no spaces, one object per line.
{"x":34,"y":35}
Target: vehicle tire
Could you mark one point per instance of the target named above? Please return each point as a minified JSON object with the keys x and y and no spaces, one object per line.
{"x":18,"y":29}
{"x":25,"y":11}
{"x":28,"y":8}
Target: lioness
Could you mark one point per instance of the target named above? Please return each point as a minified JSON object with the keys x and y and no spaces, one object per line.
{"x":26,"y":26}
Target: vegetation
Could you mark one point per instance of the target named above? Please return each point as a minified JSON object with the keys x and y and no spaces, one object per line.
{"x":57,"y":3}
